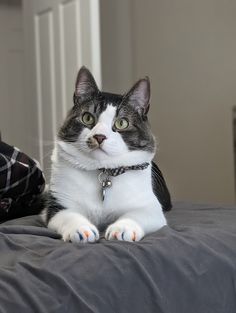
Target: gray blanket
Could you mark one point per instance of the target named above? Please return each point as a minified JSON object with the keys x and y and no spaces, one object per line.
{"x":187,"y":267}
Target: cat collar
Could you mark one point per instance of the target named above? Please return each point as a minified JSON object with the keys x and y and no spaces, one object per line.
{"x":104,"y":175}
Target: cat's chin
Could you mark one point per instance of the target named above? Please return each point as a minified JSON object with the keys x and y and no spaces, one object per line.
{"x":99,"y":153}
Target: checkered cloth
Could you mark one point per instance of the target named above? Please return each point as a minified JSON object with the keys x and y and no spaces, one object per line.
{"x":21,"y":180}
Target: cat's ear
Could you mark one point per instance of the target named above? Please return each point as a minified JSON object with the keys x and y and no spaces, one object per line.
{"x":139,"y":96}
{"x":85,"y":85}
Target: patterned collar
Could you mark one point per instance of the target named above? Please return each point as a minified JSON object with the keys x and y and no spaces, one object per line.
{"x":104,"y":175}
{"x":121,"y":170}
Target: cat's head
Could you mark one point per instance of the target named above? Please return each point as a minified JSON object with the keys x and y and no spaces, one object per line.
{"x":107,"y":130}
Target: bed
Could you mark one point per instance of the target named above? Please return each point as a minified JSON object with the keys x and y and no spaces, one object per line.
{"x":188,"y":266}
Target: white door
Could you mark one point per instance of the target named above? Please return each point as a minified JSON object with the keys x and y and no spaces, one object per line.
{"x":60,"y":36}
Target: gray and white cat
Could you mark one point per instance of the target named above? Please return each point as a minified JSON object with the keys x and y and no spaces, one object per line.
{"x":102,"y":174}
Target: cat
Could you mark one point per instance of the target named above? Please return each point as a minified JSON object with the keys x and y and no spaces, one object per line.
{"x":103,"y":176}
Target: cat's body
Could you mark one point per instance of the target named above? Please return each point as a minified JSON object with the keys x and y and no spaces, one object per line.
{"x":93,"y":139}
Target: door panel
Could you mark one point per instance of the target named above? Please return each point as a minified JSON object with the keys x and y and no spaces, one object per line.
{"x":70,"y":54}
{"x":46,"y":93}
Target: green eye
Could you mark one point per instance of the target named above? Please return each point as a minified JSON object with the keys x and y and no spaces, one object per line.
{"x":88,"y":118}
{"x":121,"y":123}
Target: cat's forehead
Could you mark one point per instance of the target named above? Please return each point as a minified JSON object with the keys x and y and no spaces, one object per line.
{"x":100,"y":103}
{"x":111,"y":98}
{"x":108,"y":115}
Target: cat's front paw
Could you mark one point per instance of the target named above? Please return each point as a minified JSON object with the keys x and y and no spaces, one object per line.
{"x":126,"y":230}
{"x":83,"y":233}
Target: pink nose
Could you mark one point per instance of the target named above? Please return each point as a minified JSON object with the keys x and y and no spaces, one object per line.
{"x":100,"y":138}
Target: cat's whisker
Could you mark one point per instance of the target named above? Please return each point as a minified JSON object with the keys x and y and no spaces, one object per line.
{"x":47,"y":143}
{"x":46,"y":155}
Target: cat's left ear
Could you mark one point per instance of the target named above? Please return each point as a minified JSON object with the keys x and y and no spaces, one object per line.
{"x":85,"y":85}
{"x":139,"y":96}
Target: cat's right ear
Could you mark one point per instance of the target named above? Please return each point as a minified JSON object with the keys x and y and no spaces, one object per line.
{"x":85,"y":85}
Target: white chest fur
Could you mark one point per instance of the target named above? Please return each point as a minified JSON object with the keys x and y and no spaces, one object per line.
{"x":80,"y":191}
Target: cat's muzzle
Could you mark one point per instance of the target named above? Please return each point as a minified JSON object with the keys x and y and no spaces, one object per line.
{"x":92,"y":143}
{"x":95,"y":141}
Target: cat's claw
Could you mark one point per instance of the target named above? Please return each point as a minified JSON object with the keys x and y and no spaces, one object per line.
{"x":83,"y":233}
{"x":125,"y":232}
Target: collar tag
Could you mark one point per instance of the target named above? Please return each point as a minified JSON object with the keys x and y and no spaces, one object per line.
{"x":105,"y":182}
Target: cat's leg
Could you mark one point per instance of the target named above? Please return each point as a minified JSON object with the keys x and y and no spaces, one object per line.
{"x":72,"y":226}
{"x":134,"y":225}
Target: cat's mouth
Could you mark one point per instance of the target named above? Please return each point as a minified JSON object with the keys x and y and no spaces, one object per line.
{"x":100,"y":152}
{"x":95,"y":146}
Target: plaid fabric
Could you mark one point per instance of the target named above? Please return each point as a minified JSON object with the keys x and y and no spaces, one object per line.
{"x":21,"y":180}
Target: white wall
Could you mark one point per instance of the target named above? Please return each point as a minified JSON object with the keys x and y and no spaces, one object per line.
{"x":14,"y":114}
{"x":188,"y":49}
{"x":116,"y":45}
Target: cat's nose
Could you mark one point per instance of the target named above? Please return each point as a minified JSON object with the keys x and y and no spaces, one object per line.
{"x":100,"y":138}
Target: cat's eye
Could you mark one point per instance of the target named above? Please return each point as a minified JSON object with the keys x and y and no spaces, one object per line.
{"x":88,"y":118}
{"x":121,"y":123}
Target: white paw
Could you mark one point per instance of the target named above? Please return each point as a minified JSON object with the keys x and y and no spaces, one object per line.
{"x":126,"y":230}
{"x":83,"y":233}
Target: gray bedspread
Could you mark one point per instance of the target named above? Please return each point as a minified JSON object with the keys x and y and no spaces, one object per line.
{"x":187,"y":267}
